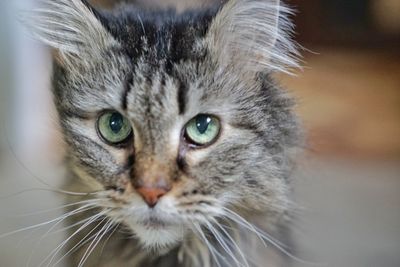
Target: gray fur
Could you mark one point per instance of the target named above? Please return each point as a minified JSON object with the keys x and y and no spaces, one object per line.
{"x":160,"y":69}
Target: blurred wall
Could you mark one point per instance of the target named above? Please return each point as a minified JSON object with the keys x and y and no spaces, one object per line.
{"x":5,"y":61}
{"x":26,"y":106}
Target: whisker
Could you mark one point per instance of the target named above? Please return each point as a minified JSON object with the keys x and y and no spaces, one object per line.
{"x":58,"y":208}
{"x":81,"y":243}
{"x":223,"y":244}
{"x":71,"y":226}
{"x":241,"y":221}
{"x":103,"y":231}
{"x":49,"y":190}
{"x":264,"y":236}
{"x":233,"y":242}
{"x":65,"y":216}
{"x":55,"y":251}
{"x":95,"y":218}
{"x":31,"y":227}
{"x":86,"y":239}
{"x":211,"y":248}
{"x":108,"y":238}
{"x":94,"y":241}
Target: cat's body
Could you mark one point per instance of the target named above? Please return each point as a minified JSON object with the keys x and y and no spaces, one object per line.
{"x":176,"y":130}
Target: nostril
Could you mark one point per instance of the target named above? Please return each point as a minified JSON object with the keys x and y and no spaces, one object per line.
{"x":160,"y":195}
{"x":151,"y":195}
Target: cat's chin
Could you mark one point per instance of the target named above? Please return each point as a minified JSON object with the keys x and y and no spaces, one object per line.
{"x":157,"y":235}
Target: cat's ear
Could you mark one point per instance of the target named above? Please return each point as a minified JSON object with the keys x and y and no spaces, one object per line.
{"x":71,"y":26}
{"x":253,"y":35}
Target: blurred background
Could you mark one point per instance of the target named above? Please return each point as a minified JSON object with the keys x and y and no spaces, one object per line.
{"x":347,"y":181}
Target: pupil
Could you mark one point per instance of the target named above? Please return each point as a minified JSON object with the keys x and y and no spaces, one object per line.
{"x":116,"y":122}
{"x":202,"y":122}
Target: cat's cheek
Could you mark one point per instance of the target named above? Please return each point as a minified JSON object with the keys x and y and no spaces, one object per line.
{"x":227,"y":134}
{"x":87,"y":179}
{"x":194,"y":157}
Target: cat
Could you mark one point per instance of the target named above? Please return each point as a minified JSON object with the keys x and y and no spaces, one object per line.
{"x":180,"y":142}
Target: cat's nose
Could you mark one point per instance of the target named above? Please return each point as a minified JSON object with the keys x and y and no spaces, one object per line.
{"x":151,"y":195}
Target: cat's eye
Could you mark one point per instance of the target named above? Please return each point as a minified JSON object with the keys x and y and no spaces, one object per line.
{"x":114,"y":128}
{"x":202,"y":130}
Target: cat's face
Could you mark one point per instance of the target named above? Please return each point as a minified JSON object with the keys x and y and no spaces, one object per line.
{"x":173,"y":119}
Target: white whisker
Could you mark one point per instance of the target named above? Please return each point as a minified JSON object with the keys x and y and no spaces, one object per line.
{"x":65,"y":216}
{"x":70,"y":226}
{"x":55,"y":251}
{"x":211,"y":248}
{"x":241,"y":221}
{"x":81,"y":243}
{"x":223,"y":244}
{"x":32,"y":227}
{"x":103,"y":231}
{"x":108,"y":238}
{"x":233,"y":242}
{"x":59,"y":208}
{"x":264,"y":236}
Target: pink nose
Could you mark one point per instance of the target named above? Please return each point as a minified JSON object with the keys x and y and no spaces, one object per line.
{"x":151,"y":195}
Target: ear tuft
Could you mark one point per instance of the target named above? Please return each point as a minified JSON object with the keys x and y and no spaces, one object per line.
{"x":69,"y":26}
{"x":254,"y":36}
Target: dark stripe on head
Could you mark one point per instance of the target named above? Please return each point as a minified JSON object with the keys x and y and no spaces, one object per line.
{"x":130,"y":161}
{"x":249,"y":126}
{"x":181,"y":162}
{"x":127,"y":88}
{"x":182,"y":96}
{"x":78,"y":114}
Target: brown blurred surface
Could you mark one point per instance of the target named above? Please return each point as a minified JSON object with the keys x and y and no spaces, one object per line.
{"x":349,"y":101}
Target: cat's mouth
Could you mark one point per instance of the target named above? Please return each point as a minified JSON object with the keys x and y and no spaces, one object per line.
{"x":156,"y":232}
{"x":154,"y":222}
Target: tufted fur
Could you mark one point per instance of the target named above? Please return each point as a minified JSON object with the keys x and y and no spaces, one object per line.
{"x":160,"y":69}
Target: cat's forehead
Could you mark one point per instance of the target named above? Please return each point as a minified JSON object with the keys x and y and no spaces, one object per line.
{"x":158,"y":99}
{"x":163,"y":51}
{"x":159,"y":35}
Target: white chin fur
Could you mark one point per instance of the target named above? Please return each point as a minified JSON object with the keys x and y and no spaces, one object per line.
{"x":157,"y":237}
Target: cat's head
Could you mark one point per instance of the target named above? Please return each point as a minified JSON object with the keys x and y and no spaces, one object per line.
{"x":173,"y":118}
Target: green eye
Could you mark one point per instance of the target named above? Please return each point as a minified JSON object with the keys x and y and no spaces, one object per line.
{"x":202,"y":129}
{"x":114,"y":128}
